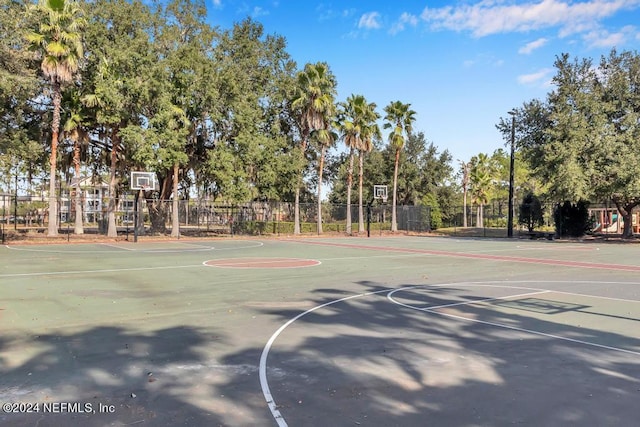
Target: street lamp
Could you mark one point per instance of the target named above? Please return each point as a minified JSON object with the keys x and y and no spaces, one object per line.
{"x":513,"y":137}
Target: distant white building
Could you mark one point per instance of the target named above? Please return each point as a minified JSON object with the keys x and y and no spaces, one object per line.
{"x":5,"y":205}
{"x":92,"y":194}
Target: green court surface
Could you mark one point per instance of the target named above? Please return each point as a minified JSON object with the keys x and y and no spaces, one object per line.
{"x":387,"y":331}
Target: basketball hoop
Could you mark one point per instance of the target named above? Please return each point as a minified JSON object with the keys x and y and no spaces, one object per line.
{"x":380,"y":193}
{"x":145,"y":181}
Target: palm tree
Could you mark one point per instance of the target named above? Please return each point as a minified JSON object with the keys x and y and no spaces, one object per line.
{"x":465,"y":166}
{"x":325,"y":138}
{"x":313,"y":104}
{"x":399,"y":117}
{"x":75,"y":130}
{"x":58,"y":41}
{"x":350,"y":125}
{"x":358,"y":127}
{"x":350,"y":129}
{"x":369,"y":131}
{"x":480,"y":178}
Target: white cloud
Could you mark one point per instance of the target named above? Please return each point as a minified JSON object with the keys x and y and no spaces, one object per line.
{"x":327,"y":12}
{"x":370,"y":21}
{"x":604,"y":39}
{"x":324,"y":12}
{"x":258,"y":11}
{"x":404,"y":20}
{"x":495,"y":16}
{"x":536,"y":77}
{"x":348,"y":12}
{"x":217,"y":3}
{"x":483,"y":60}
{"x":531,"y":46}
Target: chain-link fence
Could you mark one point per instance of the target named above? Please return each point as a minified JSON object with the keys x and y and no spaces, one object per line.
{"x":256,"y":218}
{"x":198,"y":217}
{"x":19,"y":214}
{"x":490,"y":220}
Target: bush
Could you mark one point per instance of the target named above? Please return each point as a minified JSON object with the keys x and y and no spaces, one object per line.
{"x":249,"y":227}
{"x":495,"y":222}
{"x":531,"y":215}
{"x":572,"y":219}
{"x":434,"y":212}
{"x":286,"y":227}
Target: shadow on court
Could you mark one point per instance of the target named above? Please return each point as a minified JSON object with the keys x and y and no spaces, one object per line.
{"x":369,"y":362}
{"x":364,"y":361}
{"x":184,"y":342}
{"x":126,"y":378}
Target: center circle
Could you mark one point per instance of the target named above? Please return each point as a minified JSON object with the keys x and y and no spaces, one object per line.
{"x":261,"y":263}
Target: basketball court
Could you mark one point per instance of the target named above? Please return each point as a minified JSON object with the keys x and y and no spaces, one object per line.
{"x":378,"y":331}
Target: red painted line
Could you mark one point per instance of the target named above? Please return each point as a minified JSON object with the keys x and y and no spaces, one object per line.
{"x":543,"y":261}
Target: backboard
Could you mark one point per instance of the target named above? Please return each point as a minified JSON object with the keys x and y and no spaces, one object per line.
{"x":380,"y":192}
{"x":143,"y":181}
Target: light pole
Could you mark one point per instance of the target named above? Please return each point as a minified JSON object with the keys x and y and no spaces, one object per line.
{"x":513,"y":137}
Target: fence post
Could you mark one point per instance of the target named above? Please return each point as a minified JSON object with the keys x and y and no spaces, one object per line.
{"x":4,"y":217}
{"x":368,"y":219}
{"x":135,"y":217}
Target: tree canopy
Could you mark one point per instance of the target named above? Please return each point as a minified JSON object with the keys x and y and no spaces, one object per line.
{"x":104,"y":88}
{"x":583,"y":139}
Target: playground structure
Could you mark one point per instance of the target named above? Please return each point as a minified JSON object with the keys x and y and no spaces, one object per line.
{"x":609,"y":220}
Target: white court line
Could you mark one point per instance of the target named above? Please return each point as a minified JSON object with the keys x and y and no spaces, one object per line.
{"x":133,"y":249}
{"x":80,"y":251}
{"x":597,"y":296}
{"x":203,"y":248}
{"x":482,"y":300}
{"x":116,"y":247}
{"x":53,"y":251}
{"x":571,"y":282}
{"x":264,"y":383}
{"x":189,"y":244}
{"x":238,"y":264}
{"x":498,"y":284}
{"x":501,"y":325}
{"x":259,"y":244}
{"x":110,"y":270}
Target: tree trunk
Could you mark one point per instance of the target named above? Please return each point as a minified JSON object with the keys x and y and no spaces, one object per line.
{"x":55,"y":127}
{"x":111,"y":210}
{"x":464,"y":207}
{"x":78,"y":228}
{"x":394,"y":224}
{"x":175,"y":215}
{"x":349,"y":183}
{"x":158,"y":213}
{"x":360,"y":208}
{"x":159,"y":208}
{"x":626,"y":210}
{"x":319,"y":215}
{"x":296,"y":212}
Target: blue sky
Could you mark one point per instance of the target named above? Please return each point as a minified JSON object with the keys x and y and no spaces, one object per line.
{"x":461,"y":64}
